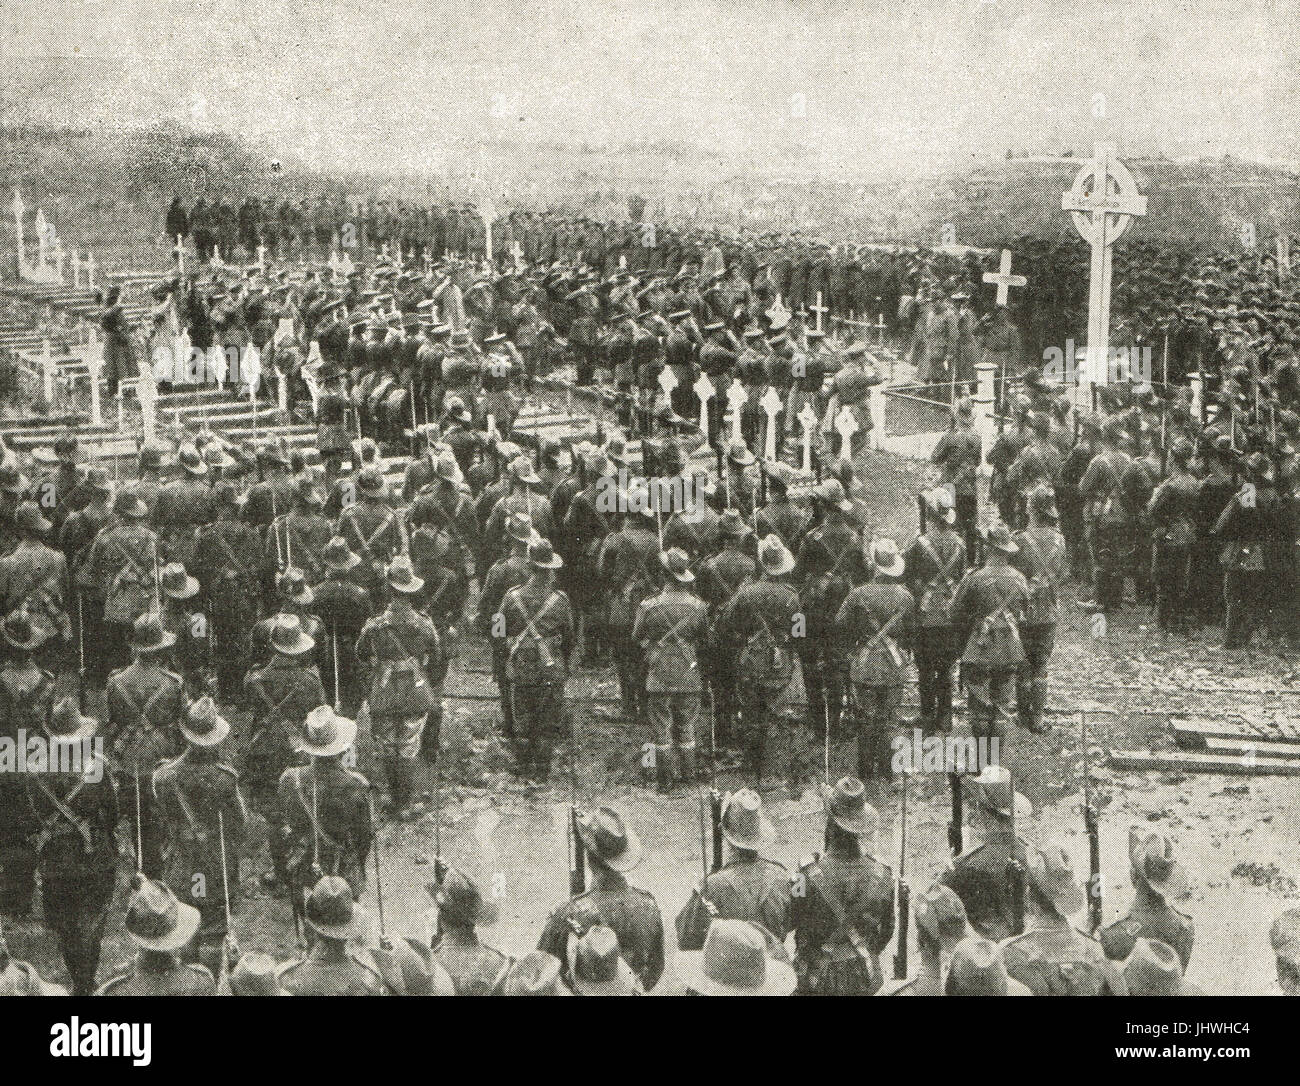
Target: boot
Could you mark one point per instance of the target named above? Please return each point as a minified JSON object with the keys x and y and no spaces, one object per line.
{"x":1038,"y":706}
{"x":689,"y":766}
{"x":665,"y":768}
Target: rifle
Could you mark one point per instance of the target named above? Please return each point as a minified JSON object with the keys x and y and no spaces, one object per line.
{"x":334,"y":638}
{"x":1015,"y":876}
{"x":577,"y":857}
{"x":383,"y":954}
{"x":1092,"y":826}
{"x":715,"y":797}
{"x":223,"y":976}
{"x":904,"y":894}
{"x":955,"y":822}
{"x":920,"y":511}
{"x":81,"y":658}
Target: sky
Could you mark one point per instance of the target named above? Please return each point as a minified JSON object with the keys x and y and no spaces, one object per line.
{"x":897,"y":87}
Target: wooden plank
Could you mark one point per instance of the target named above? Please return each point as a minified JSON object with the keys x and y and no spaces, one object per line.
{"x":1238,"y":745}
{"x":1194,"y":734}
{"x":1195,"y":762}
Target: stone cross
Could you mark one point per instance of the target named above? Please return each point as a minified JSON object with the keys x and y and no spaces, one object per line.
{"x":703,"y":388}
{"x":667,"y":381}
{"x":807,"y":419}
{"x":771,"y":404}
{"x":1103,"y":201}
{"x":736,"y":398}
{"x":1003,"y":277}
{"x":819,"y":309}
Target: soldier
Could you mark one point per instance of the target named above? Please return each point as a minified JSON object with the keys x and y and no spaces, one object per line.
{"x":842,"y":903}
{"x":1107,"y":505}
{"x":200,"y":802}
{"x":332,"y":967}
{"x":323,"y":810}
{"x":748,"y":886}
{"x":959,"y":454}
{"x":936,"y":563}
{"x":343,"y":608}
{"x":153,"y":458}
{"x":294,"y":597}
{"x":831,"y":565}
{"x":1037,"y":464}
{"x":524,"y":497}
{"x":26,"y":701}
{"x":1042,"y":559}
{"x":406,"y":665}
{"x":982,"y":876}
{"x":718,"y":579}
{"x":597,"y":966}
{"x":736,"y":959}
{"x":145,"y":705}
{"x":123,"y":567}
{"x":669,"y":630}
{"x":628,"y":558}
{"x":1153,"y":969}
{"x":1173,"y":515}
{"x":73,"y":819}
{"x":987,"y":613}
{"x":1250,"y":528}
{"x":182,"y":506}
{"x":940,"y":928}
{"x":538,"y":631}
{"x":587,"y":522}
{"x":191,"y":653}
{"x":874,"y":629}
{"x":298,"y":536}
{"x":1157,"y":876}
{"x":20,"y":978}
{"x":761,"y":618}
{"x":780,"y":516}
{"x":60,"y":491}
{"x":331,"y":419}
{"x":281,"y":693}
{"x":612,"y":849}
{"x":1051,"y":958}
{"x":507,"y":573}
{"x":227,"y":557}
{"x":475,"y":969}
{"x":443,"y":507}
{"x":35,"y":577}
{"x":275,"y":494}
{"x":372,"y":531}
{"x":161,"y":926}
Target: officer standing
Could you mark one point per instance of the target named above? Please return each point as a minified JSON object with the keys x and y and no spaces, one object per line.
{"x":1042,"y":559}
{"x":123,"y":566}
{"x":343,"y":608}
{"x":228,"y":556}
{"x":161,"y":926}
{"x":936,"y":563}
{"x":332,"y":967}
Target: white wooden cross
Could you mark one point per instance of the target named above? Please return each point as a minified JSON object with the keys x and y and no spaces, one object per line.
{"x":261,"y":258}
{"x":1102,"y":202}
{"x":147,"y":392}
{"x":179,"y":251}
{"x":667,"y":381}
{"x":90,"y":269}
{"x":517,"y":254}
{"x":76,"y":268}
{"x":345,"y":265}
{"x":216,"y":258}
{"x":879,"y":326}
{"x":736,"y":397}
{"x":1003,"y":277}
{"x":94,"y":365}
{"x":846,"y":425}
{"x":47,"y":372}
{"x":703,"y":388}
{"x":487,"y":213}
{"x":42,"y":237}
{"x":771,"y":404}
{"x":819,"y":309}
{"x":807,"y":419}
{"x":622,"y":263}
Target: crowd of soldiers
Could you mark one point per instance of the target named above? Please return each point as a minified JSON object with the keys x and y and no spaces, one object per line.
{"x":744,"y":604}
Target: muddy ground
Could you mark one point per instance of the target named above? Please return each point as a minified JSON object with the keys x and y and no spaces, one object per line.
{"x":1237,"y":835}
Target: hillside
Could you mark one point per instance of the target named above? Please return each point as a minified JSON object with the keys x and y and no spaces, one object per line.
{"x":107,"y":188}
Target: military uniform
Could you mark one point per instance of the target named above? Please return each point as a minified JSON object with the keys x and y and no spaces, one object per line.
{"x":322,"y":825}
{"x":227,"y":559}
{"x":628,"y":564}
{"x":1042,"y":559}
{"x":539,"y":643}
{"x":1173,"y":515}
{"x":506,"y":574}
{"x":123,"y":565}
{"x":875,"y":628}
{"x":280,"y":694}
{"x":182,"y":507}
{"x":748,"y":887}
{"x":26,"y":701}
{"x":632,"y":914}
{"x":987,"y":612}
{"x":73,"y":822}
{"x":35,"y":577}
{"x":343,"y":609}
{"x":1108,"y":505}
{"x":145,"y":705}
{"x":298,"y":538}
{"x":717,"y":580}
{"x":475,"y":969}
{"x":407,"y":666}
{"x":842,"y":914}
{"x":1051,"y":958}
{"x":669,"y":628}
{"x":979,"y":877}
{"x":199,"y":798}
{"x":374,"y":535}
{"x":935,"y":563}
{"x":959,"y":454}
{"x":331,"y":971}
{"x":1149,"y":919}
{"x":155,"y":974}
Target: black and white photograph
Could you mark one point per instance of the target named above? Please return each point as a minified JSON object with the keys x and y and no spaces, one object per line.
{"x":667,"y":498}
